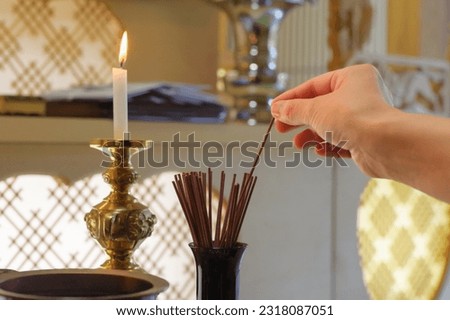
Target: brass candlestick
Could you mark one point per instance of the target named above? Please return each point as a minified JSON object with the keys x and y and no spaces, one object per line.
{"x":120,"y":223}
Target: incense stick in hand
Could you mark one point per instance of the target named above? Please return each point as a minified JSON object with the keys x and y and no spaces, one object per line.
{"x":261,"y":147}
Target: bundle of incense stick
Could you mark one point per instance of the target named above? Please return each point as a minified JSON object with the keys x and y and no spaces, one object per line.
{"x":194,"y":190}
{"x":195,"y":193}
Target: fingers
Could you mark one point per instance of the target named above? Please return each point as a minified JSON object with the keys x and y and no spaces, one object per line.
{"x":283,"y":127}
{"x":312,"y":88}
{"x":295,"y":107}
{"x":328,"y":150}
{"x":297,"y":112}
{"x":323,"y":103}
{"x":309,"y":138}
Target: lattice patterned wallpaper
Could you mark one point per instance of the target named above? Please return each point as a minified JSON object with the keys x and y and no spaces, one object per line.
{"x":49,"y":44}
{"x":42,"y":227}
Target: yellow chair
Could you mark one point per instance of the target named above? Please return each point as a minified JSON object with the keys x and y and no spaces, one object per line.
{"x":404,"y":240}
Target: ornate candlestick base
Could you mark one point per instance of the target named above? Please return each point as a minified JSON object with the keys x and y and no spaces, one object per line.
{"x":120,"y":223}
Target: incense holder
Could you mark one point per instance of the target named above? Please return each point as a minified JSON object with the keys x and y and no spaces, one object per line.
{"x":120,"y":223}
{"x":217,"y":271}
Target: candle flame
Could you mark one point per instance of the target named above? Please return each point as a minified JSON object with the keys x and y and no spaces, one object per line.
{"x":123,"y":49}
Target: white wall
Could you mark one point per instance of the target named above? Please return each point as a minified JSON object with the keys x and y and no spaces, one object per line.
{"x":171,"y":40}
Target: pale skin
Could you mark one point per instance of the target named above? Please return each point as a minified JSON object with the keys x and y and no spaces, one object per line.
{"x":383,"y":141}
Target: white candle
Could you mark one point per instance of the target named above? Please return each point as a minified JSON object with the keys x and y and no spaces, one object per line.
{"x":120,"y":93}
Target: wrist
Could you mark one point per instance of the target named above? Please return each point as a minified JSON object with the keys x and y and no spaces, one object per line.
{"x":412,"y":149}
{"x":381,"y":142}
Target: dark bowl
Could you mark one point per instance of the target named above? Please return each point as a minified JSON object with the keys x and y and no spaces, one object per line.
{"x":100,"y":284}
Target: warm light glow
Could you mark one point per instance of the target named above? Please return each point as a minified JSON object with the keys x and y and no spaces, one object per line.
{"x":123,"y":49}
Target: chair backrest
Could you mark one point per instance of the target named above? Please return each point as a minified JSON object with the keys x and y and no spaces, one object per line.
{"x":418,"y":85}
{"x":404,"y":241}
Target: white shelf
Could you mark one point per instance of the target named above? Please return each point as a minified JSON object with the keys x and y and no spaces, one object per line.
{"x":19,"y":129}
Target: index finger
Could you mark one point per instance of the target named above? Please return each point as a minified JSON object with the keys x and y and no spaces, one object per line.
{"x":320,"y":85}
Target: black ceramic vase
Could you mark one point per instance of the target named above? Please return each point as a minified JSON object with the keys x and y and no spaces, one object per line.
{"x":217,"y":271}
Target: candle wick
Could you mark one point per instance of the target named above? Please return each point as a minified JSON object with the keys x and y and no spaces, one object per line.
{"x":122,"y":63}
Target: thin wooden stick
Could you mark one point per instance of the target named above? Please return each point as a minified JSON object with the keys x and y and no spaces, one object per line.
{"x":226,"y":223}
{"x":219,"y":209}
{"x":210,"y":195}
{"x":262,"y":145}
{"x":186,"y":209}
{"x":244,"y":210}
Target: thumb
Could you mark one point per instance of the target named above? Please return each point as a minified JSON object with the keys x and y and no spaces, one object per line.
{"x":295,"y":112}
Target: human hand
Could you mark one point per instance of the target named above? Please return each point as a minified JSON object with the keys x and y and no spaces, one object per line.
{"x":340,"y":109}
{"x":347,"y":114}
